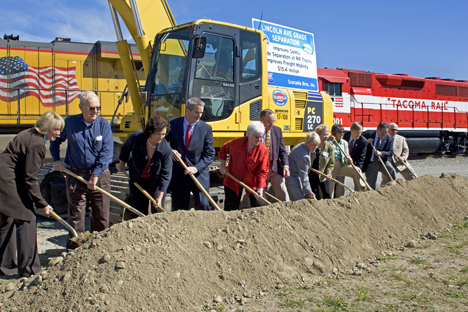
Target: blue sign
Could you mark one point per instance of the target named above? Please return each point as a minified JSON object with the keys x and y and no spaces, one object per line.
{"x":290,"y":55}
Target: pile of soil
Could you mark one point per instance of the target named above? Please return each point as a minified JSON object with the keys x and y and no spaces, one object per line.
{"x":192,"y":260}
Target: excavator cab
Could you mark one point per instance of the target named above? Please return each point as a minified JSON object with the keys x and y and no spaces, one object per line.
{"x":218,"y":63}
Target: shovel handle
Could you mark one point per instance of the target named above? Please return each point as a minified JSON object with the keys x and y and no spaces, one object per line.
{"x":105,"y":193}
{"x":383,"y":164}
{"x":200,"y":186}
{"x":246,"y":187}
{"x":354,"y":167}
{"x":334,"y":180}
{"x":144,"y":192}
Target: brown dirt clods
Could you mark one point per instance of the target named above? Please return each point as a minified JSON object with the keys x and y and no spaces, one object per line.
{"x":191,"y":260}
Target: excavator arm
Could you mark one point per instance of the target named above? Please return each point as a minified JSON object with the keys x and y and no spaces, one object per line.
{"x":141,"y":17}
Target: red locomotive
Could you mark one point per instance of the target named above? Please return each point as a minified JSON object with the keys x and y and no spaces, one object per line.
{"x":431,"y":112}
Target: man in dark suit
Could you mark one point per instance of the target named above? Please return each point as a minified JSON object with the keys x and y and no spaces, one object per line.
{"x":279,"y":165}
{"x":383,"y":144}
{"x":191,"y":139}
{"x":357,"y":144}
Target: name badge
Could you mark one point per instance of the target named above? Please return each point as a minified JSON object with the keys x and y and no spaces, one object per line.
{"x":325,"y":154}
{"x":99,"y":138}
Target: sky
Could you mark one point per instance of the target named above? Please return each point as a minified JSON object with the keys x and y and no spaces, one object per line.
{"x":421,"y":38}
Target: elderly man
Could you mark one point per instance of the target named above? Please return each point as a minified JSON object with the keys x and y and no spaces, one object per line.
{"x":191,"y":139}
{"x":383,"y":148}
{"x":400,"y":154}
{"x":279,"y":165}
{"x":89,"y":153}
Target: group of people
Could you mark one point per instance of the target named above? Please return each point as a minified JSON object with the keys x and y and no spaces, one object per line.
{"x":168,"y":155}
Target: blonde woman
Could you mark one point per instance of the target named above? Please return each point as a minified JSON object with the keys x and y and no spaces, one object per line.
{"x":19,"y":193}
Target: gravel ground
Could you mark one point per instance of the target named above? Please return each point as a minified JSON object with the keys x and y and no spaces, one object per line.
{"x":434,"y":166}
{"x":52,"y":237}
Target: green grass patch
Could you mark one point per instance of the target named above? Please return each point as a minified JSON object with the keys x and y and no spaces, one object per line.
{"x":335,"y":302}
{"x":387,"y":257}
{"x":417,"y":260}
{"x":397,"y":276}
{"x":391,"y":307}
{"x":456,"y":294}
{"x":362,"y":294}
{"x":291,"y":302}
{"x":454,"y":249}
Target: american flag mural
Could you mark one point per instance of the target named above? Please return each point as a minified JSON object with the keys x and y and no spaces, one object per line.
{"x":16,"y":74}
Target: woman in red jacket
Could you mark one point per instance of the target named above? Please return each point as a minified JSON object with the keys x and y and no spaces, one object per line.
{"x":249,"y":163}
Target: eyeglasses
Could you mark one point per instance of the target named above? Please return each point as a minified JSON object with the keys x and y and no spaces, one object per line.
{"x":258,"y":137}
{"x":56,"y":129}
{"x":393,"y":129}
{"x":272,"y":122}
{"x":94,"y":109}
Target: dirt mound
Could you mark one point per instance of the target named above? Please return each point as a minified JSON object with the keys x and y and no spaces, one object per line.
{"x":184,"y":261}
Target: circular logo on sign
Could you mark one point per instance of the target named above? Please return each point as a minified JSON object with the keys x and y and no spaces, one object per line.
{"x":280,"y":98}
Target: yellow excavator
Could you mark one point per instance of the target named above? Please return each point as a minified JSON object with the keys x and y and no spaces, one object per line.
{"x":223,"y":64}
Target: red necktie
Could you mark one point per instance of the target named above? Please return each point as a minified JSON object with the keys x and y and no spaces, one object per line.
{"x":188,"y":136}
{"x":350,"y":148}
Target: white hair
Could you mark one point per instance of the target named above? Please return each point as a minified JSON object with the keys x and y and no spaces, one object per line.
{"x":312,"y":137}
{"x":255,"y":127}
{"x":87,"y":95}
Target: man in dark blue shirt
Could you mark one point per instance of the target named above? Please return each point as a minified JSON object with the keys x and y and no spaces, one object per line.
{"x":89,"y":153}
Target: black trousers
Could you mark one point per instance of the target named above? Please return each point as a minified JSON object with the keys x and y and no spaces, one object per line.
{"x":139,"y":200}
{"x":18,"y":247}
{"x":315,"y":185}
{"x":181,"y":194}
{"x":232,"y":201}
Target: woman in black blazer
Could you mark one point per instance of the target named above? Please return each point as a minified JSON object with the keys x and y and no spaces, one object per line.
{"x":20,"y":193}
{"x":149,"y":159}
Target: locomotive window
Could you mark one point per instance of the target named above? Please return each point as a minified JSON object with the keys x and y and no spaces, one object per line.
{"x":334,"y":89}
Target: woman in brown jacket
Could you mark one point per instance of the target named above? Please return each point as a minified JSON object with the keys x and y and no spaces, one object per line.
{"x":19,"y":192}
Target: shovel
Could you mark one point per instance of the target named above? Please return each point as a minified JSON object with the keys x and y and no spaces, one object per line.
{"x":407,"y":167}
{"x":246,"y":187}
{"x":62,"y":222}
{"x":354,"y":167}
{"x":334,"y":180}
{"x":385,"y":167}
{"x":105,"y":193}
{"x":199,"y":185}
{"x":144,"y":192}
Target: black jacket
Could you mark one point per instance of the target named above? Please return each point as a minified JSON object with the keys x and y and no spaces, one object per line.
{"x":200,"y":154}
{"x":386,"y":148}
{"x":134,"y":153}
{"x":358,"y":152}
